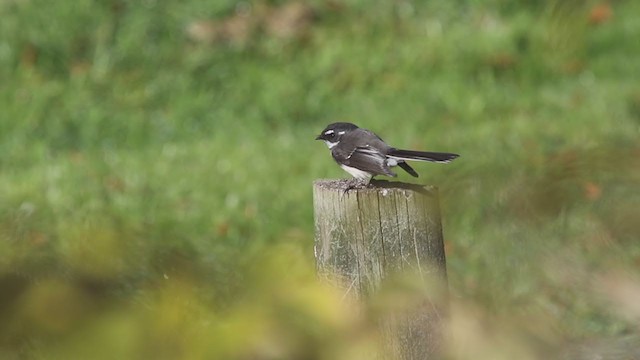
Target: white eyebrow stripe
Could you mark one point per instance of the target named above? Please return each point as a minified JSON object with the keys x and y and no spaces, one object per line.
{"x":341,"y":132}
{"x":328,"y":132}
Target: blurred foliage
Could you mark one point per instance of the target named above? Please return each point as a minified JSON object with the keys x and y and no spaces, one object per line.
{"x":156,"y":160}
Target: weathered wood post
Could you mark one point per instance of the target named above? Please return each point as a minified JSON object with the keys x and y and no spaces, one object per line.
{"x":363,"y":236}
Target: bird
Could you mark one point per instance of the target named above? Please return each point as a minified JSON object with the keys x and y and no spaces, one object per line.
{"x":363,"y":154}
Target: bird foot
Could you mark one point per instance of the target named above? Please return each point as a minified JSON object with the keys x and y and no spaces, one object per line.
{"x":356,"y":184}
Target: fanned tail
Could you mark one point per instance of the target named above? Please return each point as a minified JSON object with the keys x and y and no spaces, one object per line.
{"x":422,"y":155}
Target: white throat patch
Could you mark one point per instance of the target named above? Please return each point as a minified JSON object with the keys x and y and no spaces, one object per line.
{"x":330,"y":144}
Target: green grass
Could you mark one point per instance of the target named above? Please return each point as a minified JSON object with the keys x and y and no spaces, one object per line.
{"x":155,"y":191}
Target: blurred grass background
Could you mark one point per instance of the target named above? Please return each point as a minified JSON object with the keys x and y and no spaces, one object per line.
{"x":156,"y":161}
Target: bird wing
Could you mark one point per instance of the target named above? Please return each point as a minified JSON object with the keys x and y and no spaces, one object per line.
{"x":363,"y":158}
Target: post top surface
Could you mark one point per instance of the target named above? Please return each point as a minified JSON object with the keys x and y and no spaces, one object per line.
{"x":375,"y":186}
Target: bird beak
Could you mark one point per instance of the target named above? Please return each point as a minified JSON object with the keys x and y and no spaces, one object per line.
{"x":319,"y":137}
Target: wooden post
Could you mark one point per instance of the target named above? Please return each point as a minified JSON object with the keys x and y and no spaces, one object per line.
{"x":364,"y":236}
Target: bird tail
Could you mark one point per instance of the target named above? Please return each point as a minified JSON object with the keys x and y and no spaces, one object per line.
{"x":422,"y":155}
{"x":407,"y":168}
